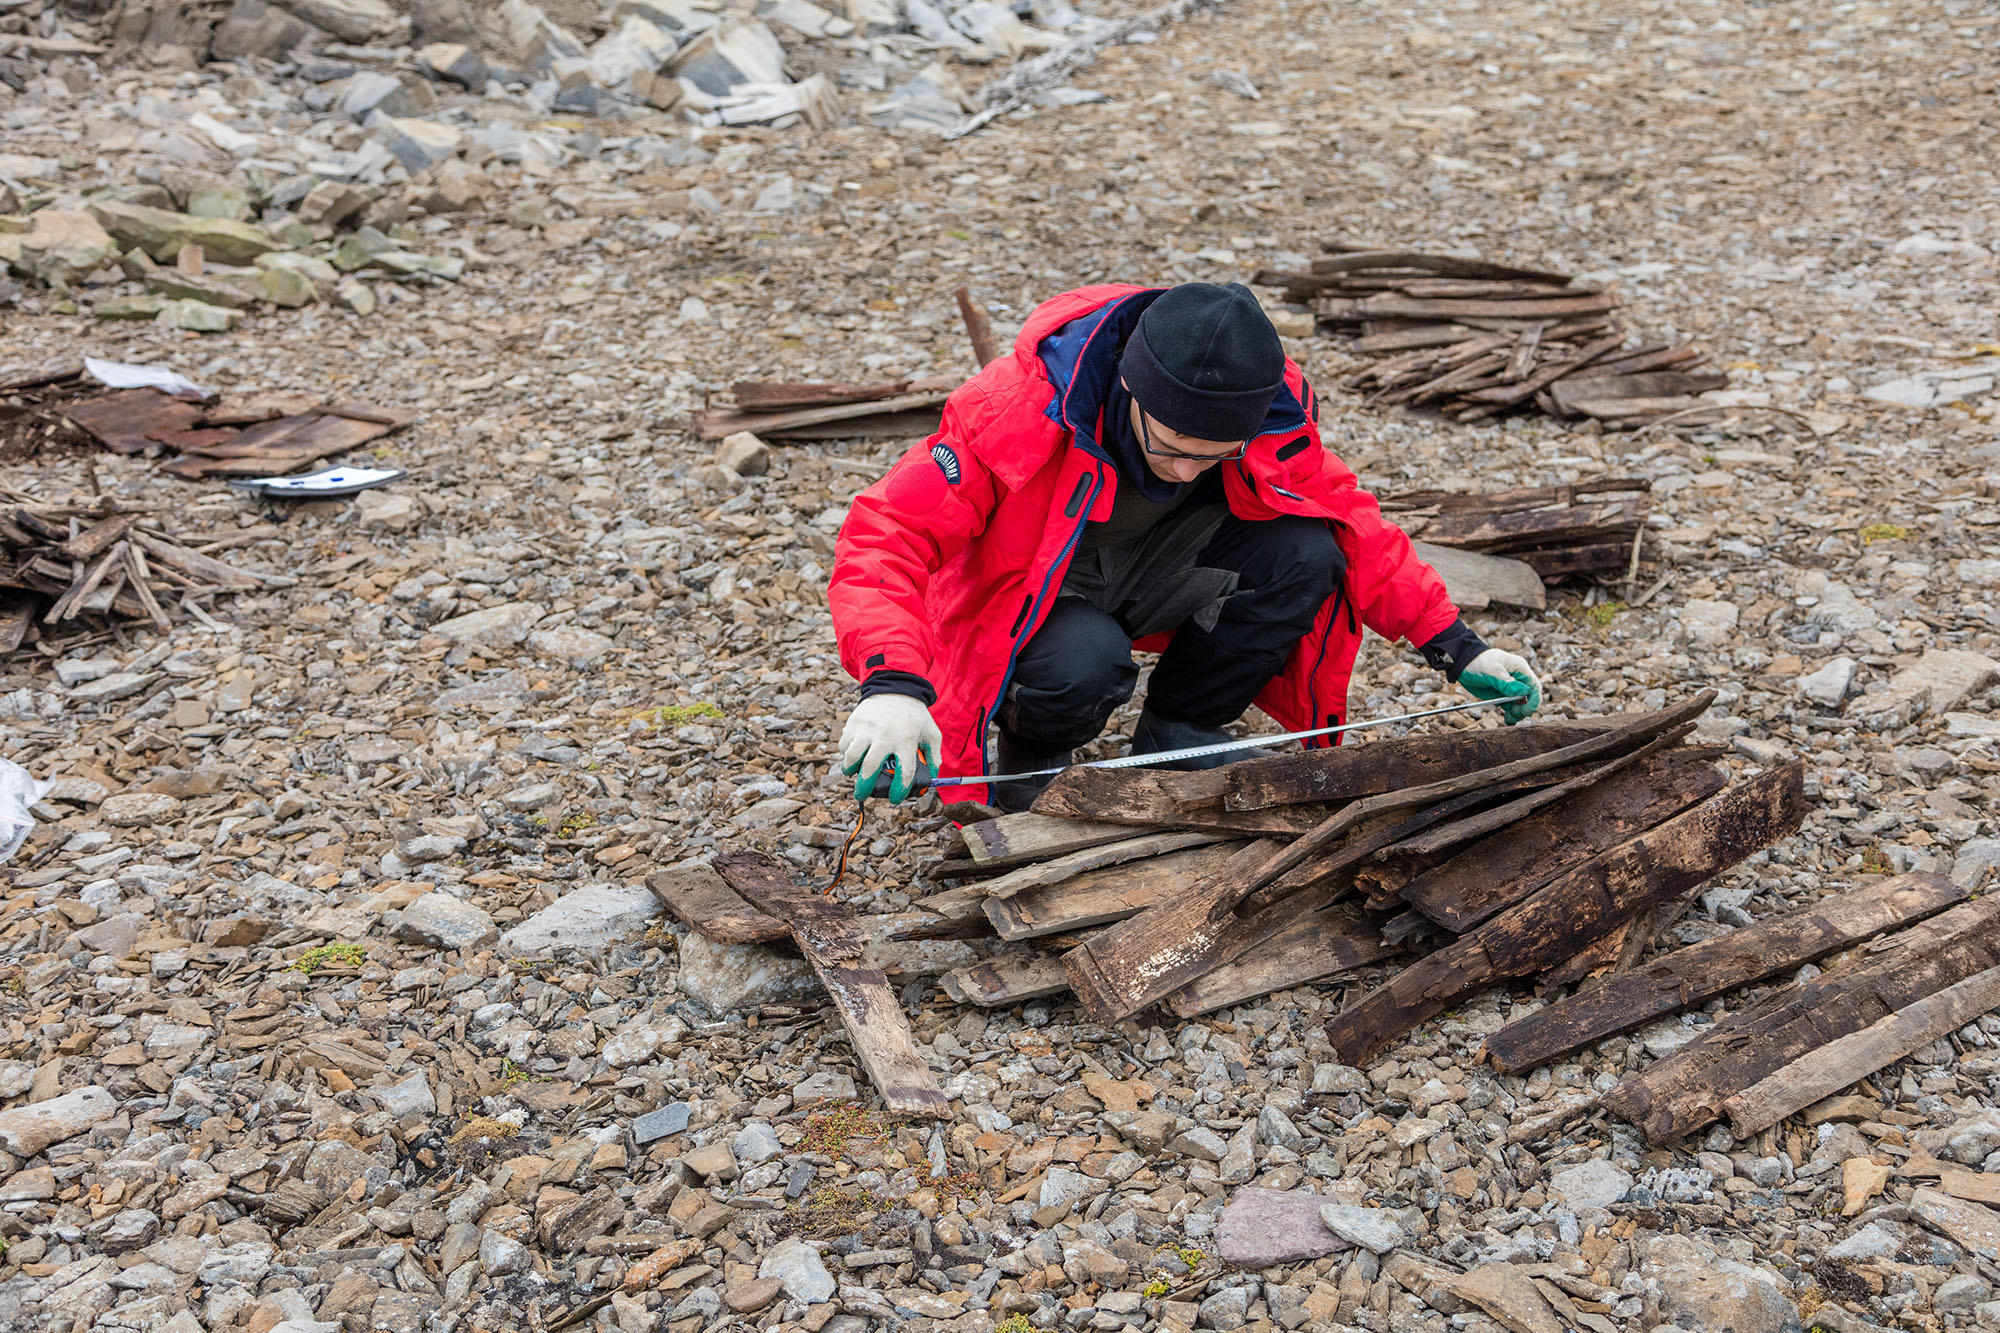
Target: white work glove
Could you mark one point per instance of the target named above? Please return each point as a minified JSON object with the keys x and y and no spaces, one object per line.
{"x":886,"y":728}
{"x":1499,"y":674}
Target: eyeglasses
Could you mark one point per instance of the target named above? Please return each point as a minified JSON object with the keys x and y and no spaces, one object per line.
{"x":1146,"y":443}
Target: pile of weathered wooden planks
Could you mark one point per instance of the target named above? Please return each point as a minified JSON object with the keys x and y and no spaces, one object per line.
{"x":63,"y":560}
{"x":1474,"y":339}
{"x":1471,"y":857}
{"x":1583,"y":527}
{"x":1197,"y":890}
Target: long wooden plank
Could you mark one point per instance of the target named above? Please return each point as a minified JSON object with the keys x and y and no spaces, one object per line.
{"x":834,"y":942}
{"x":1349,"y":259}
{"x":1578,"y":907}
{"x":1685,"y":1091}
{"x":1046,"y":874}
{"x":1847,"y":1060}
{"x":1536,"y":527}
{"x":777,"y":395}
{"x":702,"y":899}
{"x":1130,"y":794}
{"x":1142,"y":960}
{"x":1101,"y":897}
{"x":715,"y":424}
{"x":1688,"y":976}
{"x":1137,"y":962}
{"x":1323,"y":945}
{"x":1369,"y":768}
{"x":1162,"y":798}
{"x":1475,"y":826}
{"x":1018,"y":839}
{"x":1396,"y":306}
{"x":1616,"y":742}
{"x":1499,"y":871}
{"x":994,"y":983}
{"x":1507,"y":501}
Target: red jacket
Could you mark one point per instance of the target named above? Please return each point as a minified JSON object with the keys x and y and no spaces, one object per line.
{"x":949,"y":564}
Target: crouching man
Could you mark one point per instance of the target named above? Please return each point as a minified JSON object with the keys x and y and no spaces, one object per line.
{"x":1143,"y":471}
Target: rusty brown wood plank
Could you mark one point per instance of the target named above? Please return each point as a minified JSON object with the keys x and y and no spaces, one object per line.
{"x":1577,"y":907}
{"x":836,"y":946}
{"x":1324,"y":945}
{"x":1685,"y":1091}
{"x":1691,"y":975}
{"x":1371,"y":767}
{"x":702,"y":899}
{"x":777,"y":395}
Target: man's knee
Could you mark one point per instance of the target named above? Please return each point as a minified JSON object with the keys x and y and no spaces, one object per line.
{"x":1300,"y":554}
{"x":1071,"y":676}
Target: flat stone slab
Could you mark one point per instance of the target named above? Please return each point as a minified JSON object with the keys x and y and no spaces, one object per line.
{"x":589,"y":918}
{"x":1269,"y":1228}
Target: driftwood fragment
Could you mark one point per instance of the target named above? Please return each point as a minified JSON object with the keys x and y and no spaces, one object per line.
{"x":1044,"y":874}
{"x":1323,"y":945}
{"x":1691,"y":975}
{"x":1370,"y":768}
{"x":1685,"y":1091}
{"x":1848,"y":1060}
{"x":1020,"y":839}
{"x":1100,"y":897}
{"x":836,"y":946}
{"x":701,"y":899}
{"x":994,"y":983}
{"x":1620,"y":741}
{"x":978,"y":328}
{"x":1576,"y":908}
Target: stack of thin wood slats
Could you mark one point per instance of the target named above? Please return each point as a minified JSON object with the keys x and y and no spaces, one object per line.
{"x":1474,"y":339}
{"x":1584,"y":527}
{"x":64,"y":560}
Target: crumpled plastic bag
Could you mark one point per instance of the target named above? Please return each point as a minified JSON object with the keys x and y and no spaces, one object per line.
{"x":18,"y":791}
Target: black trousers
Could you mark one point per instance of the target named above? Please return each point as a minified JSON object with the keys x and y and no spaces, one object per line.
{"x":1238,"y":602}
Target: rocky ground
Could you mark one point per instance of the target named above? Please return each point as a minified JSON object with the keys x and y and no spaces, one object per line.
{"x":334,"y":998}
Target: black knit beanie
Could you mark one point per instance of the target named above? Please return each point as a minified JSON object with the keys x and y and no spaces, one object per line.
{"x":1205,"y":361}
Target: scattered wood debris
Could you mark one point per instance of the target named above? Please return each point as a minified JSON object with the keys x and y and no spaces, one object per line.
{"x":1473,"y":339}
{"x":60,"y":561}
{"x":241,"y":435}
{"x":749,"y":897}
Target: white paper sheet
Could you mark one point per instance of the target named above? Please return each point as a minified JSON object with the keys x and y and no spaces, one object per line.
{"x":121,"y":375}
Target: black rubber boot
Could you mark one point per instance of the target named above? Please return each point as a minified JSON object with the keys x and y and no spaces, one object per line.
{"x":1155,"y":734}
{"x":1013,"y":755}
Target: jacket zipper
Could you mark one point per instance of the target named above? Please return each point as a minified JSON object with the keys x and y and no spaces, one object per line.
{"x":1061,"y":563}
{"x":1340,"y":603}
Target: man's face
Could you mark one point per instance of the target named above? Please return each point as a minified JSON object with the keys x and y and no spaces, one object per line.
{"x":1204,"y":454}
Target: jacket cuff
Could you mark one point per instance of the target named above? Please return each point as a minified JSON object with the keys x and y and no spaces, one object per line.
{"x":1453,"y":650}
{"x":901,"y":682}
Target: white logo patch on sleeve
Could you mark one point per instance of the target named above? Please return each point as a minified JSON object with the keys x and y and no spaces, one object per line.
{"x":946,"y":460}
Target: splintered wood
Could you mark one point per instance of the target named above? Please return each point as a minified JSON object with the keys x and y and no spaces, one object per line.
{"x":61,"y":561}
{"x":1421,"y":871}
{"x":1474,"y":339}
